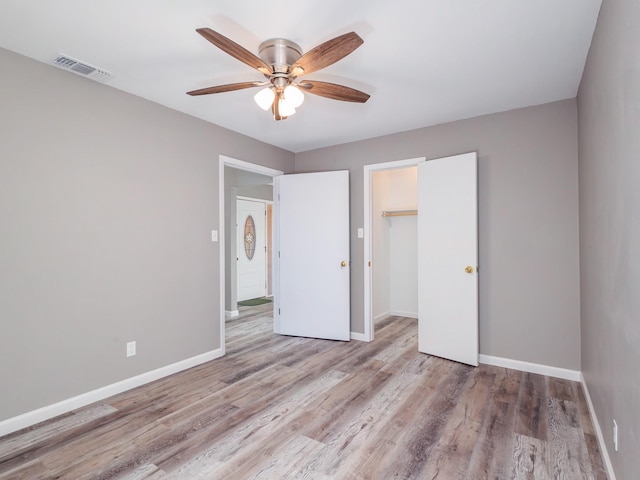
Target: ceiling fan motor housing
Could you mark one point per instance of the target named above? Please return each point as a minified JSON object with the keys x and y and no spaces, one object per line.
{"x":279,"y":53}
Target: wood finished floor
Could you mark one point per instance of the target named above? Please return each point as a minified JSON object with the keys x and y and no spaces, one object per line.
{"x":282,"y":407}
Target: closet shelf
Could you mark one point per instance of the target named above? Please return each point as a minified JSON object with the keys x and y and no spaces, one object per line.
{"x":399,"y":213}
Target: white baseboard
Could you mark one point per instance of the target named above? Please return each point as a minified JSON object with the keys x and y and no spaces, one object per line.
{"x":395,"y":313}
{"x":596,"y":424}
{"x":45,"y":413}
{"x":381,"y":316}
{"x":231,"y":313}
{"x":531,"y":367}
{"x":359,"y":336}
{"x":399,"y":313}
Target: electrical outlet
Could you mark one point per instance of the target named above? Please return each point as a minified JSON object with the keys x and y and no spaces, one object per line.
{"x":615,"y":435}
{"x":131,"y":349}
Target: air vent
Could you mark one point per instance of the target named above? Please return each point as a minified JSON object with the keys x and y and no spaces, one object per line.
{"x":76,"y":66}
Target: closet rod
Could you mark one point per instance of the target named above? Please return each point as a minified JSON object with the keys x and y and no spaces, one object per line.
{"x":399,"y":213}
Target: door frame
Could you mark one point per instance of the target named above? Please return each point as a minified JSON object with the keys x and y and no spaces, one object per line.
{"x":369,"y":333}
{"x":225,"y":161}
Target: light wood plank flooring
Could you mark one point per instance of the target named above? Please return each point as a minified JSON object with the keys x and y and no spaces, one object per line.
{"x":281,"y":407}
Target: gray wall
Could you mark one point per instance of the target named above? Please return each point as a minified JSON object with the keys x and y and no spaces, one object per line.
{"x":609,"y":166}
{"x":106,"y":206}
{"x":528,"y":223}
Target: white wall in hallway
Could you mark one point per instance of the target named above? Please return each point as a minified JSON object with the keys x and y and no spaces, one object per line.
{"x":381,"y":303}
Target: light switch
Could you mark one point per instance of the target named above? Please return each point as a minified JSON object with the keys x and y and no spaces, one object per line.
{"x":361,"y":233}
{"x":214,"y":235}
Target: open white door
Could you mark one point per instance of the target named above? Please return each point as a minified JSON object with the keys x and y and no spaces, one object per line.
{"x":448,"y":258}
{"x":251,"y":249}
{"x":312,"y":255}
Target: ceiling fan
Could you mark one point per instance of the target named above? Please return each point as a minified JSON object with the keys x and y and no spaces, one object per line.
{"x":282,"y":62}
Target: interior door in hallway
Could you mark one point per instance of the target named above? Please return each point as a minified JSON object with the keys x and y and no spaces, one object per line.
{"x":251,"y":249}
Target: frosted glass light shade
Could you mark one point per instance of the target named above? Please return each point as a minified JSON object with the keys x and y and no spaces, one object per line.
{"x":285,"y":108}
{"x":264,"y":98}
{"x":294,"y":96}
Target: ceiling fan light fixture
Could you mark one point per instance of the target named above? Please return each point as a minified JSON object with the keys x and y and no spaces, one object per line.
{"x":264,"y":98}
{"x":286,"y":108}
{"x":293,"y":96}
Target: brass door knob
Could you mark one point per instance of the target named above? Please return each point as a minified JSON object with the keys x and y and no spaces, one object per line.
{"x":344,"y":263}
{"x":469,"y":269}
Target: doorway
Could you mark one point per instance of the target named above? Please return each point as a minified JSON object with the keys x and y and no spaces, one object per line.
{"x":394,"y":247}
{"x":312,"y":203}
{"x":244,"y":179}
{"x":389,"y":179}
{"x":446,"y":255}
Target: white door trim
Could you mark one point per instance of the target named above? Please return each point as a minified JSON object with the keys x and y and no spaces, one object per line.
{"x":368,"y":245}
{"x":225,"y":161}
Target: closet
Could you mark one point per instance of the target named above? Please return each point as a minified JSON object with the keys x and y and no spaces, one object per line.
{"x":394,"y":203}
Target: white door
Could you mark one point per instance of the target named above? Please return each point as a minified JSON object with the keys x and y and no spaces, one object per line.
{"x":448,"y":258}
{"x":251,"y":249}
{"x":312,"y":255}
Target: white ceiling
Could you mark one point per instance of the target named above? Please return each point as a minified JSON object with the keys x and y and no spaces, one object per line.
{"x":423,"y":62}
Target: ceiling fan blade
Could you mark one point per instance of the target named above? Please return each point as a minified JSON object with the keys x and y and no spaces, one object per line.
{"x":327,"y":53}
{"x":334,"y":91}
{"x":225,"y":88}
{"x":235,"y":50}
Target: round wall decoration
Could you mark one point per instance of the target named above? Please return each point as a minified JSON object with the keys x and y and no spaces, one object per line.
{"x":249,"y":237}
